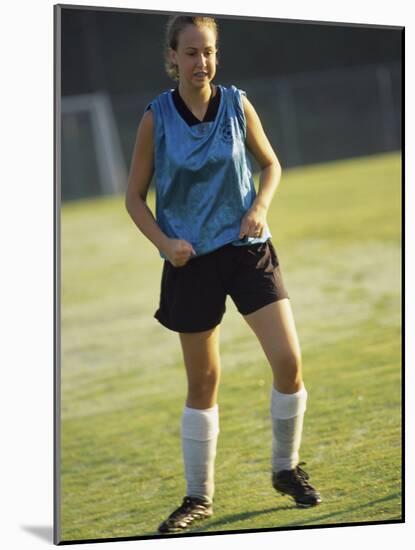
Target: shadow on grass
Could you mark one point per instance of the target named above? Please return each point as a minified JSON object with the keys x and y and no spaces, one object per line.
{"x":240,"y":517}
{"x":226,"y":519}
{"x":224,"y":522}
{"x":322,"y":518}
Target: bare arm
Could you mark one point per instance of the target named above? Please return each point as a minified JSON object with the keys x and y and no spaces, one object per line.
{"x":258,"y":144}
{"x":177,"y":251}
{"x":139,"y":179}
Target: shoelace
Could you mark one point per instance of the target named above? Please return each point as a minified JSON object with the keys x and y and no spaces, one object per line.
{"x":184,"y":509}
{"x":302,"y":476}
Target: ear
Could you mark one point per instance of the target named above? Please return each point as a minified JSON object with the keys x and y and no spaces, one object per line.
{"x":172,"y":56}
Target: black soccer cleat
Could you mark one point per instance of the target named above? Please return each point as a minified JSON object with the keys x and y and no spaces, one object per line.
{"x":295,"y":484}
{"x":192,"y":509}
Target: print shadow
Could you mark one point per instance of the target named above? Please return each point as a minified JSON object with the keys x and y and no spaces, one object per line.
{"x":44,"y":532}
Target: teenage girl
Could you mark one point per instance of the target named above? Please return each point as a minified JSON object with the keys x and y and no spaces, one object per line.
{"x":211,"y":230}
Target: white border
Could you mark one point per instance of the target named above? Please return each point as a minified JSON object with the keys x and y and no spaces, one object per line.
{"x":27,"y":256}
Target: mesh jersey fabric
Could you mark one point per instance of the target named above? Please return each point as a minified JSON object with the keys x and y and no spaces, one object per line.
{"x":203,"y":176}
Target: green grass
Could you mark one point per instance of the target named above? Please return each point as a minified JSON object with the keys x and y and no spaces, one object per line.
{"x":336,"y":228}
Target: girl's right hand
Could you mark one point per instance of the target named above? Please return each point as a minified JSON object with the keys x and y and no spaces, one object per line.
{"x":178,"y":252}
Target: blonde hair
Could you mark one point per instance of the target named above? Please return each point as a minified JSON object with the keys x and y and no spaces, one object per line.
{"x":175,"y":26}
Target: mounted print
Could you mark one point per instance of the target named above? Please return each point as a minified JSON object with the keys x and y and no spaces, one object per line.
{"x":228,"y":267}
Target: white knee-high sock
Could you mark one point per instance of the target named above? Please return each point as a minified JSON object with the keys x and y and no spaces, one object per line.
{"x":200,"y":429}
{"x":287,"y":413}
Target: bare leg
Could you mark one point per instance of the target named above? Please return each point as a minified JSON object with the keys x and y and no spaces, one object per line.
{"x":200,"y":421}
{"x":202,"y":362}
{"x":275,"y":329}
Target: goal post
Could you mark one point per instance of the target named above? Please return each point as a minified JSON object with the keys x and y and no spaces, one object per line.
{"x":92,"y":158}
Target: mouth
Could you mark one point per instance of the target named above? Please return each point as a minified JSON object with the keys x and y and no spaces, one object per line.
{"x":200,"y":74}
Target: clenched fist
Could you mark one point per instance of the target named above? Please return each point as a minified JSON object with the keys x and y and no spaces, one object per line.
{"x":178,"y":252}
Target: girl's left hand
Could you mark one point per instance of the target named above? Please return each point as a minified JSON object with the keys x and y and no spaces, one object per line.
{"x":254,"y":222}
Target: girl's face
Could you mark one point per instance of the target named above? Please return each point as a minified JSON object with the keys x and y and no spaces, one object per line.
{"x":196,"y":56}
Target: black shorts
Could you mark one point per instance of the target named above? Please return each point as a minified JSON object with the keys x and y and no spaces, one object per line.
{"x":192,"y":297}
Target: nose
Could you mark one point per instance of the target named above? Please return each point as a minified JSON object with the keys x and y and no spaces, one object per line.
{"x":201,"y":61}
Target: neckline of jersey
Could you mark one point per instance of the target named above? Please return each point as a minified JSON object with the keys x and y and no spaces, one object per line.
{"x":186,"y":113}
{"x":201,"y":123}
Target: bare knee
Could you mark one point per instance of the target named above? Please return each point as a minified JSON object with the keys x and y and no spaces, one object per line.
{"x":202,"y":391}
{"x":288,"y":372}
{"x":202,"y":362}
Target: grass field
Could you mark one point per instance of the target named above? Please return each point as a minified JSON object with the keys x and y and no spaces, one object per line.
{"x":337,"y":231}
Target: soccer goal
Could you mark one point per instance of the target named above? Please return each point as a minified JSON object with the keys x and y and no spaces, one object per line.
{"x":92,"y":161}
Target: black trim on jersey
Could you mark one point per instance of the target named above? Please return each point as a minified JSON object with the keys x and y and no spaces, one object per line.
{"x":187,"y":114}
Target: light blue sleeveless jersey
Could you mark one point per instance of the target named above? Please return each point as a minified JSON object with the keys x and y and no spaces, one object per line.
{"x":203,"y":177}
